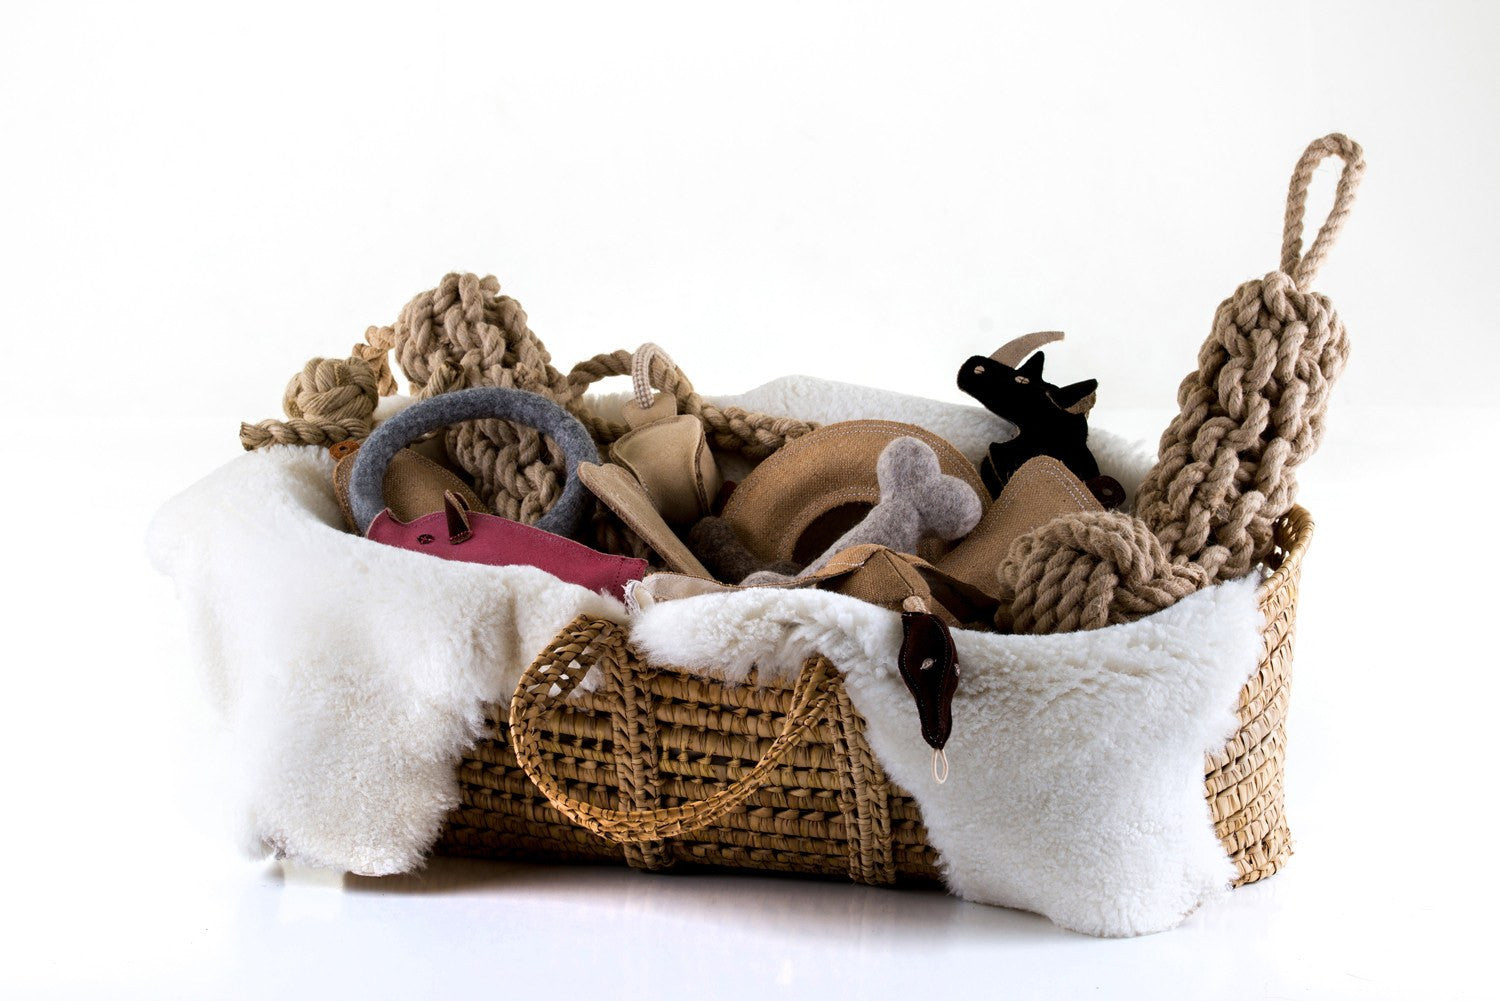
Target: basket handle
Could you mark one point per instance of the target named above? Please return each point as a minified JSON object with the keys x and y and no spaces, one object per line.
{"x":587,"y":643}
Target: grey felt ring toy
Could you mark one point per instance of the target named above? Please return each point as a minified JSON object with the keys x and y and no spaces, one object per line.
{"x":565,"y":517}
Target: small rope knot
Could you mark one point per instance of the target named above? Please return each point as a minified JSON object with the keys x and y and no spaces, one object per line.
{"x":329,"y":401}
{"x":1088,"y":570}
{"x":331,"y":389}
{"x":375,"y":351}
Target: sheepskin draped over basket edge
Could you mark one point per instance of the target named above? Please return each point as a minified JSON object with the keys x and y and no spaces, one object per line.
{"x":422,"y":671}
{"x":652,"y":736}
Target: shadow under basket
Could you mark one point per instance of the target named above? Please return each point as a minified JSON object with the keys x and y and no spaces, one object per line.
{"x":656,"y":766}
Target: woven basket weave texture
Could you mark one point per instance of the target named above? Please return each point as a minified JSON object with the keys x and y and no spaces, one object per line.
{"x":652,"y":738}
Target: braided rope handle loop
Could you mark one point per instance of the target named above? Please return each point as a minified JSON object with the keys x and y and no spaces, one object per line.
{"x":640,"y":372}
{"x":1302,"y":268}
{"x":587,"y":643}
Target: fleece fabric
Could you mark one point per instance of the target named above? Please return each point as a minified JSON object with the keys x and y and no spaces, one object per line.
{"x":351,"y":678}
{"x":350,"y":675}
{"x":1075,"y":785}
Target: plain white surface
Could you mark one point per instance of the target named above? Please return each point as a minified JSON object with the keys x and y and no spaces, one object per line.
{"x":193,"y":201}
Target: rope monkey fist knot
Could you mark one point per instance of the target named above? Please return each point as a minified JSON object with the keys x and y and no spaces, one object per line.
{"x":1088,"y":570}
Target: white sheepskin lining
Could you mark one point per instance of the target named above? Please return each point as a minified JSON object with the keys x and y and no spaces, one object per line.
{"x":350,"y":674}
{"x":351,"y":677}
{"x":1076,"y":780}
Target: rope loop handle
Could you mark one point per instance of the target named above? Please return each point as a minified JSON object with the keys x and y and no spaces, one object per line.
{"x":1256,"y":406}
{"x":640,"y":372}
{"x":587,"y":643}
{"x":731,"y":429}
{"x":1303,"y":268}
{"x":649,"y":368}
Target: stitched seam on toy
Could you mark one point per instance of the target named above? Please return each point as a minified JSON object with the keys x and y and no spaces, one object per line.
{"x":705,"y":502}
{"x":1051,"y":472}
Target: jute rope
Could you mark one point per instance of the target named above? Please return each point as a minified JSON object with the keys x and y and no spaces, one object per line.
{"x":1255,"y":408}
{"x":1090,"y":570}
{"x":1226,"y":471}
{"x":1251,"y":413}
{"x":329,"y":401}
{"x":463,"y":333}
{"x":731,"y":429}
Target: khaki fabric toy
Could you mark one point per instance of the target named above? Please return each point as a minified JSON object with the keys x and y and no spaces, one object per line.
{"x":414,"y":485}
{"x":666,"y":451}
{"x":796,"y":504}
{"x":881,"y":576}
{"x":1040,"y":490}
{"x":661,"y":472}
{"x":917,"y":501}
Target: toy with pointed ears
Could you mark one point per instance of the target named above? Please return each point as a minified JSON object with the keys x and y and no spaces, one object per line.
{"x":1049,"y":420}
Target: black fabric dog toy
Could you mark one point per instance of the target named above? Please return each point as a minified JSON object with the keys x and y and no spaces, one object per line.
{"x":1050,"y":420}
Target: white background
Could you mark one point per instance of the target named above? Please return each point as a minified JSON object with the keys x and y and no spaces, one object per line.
{"x":193,"y":200}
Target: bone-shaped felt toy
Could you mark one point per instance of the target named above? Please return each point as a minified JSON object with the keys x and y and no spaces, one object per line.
{"x":917,"y":500}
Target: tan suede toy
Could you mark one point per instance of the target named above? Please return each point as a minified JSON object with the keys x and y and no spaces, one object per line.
{"x":661,"y":472}
{"x":917,"y":500}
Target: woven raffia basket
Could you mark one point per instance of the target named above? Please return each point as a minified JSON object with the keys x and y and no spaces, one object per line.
{"x":655,"y":766}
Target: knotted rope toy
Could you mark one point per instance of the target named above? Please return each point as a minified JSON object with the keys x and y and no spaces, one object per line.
{"x":1255,"y":408}
{"x":1251,"y":413}
{"x":1087,"y":570}
{"x":463,"y":334}
{"x":329,"y":401}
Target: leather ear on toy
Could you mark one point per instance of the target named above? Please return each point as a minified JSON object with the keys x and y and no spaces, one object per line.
{"x":1069,"y":397}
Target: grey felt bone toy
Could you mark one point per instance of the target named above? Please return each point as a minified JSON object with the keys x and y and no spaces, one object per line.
{"x":917,"y":500}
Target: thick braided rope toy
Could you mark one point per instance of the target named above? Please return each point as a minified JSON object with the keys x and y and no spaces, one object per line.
{"x":1226,"y":471}
{"x":1254,"y":410}
{"x":464,"y":334}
